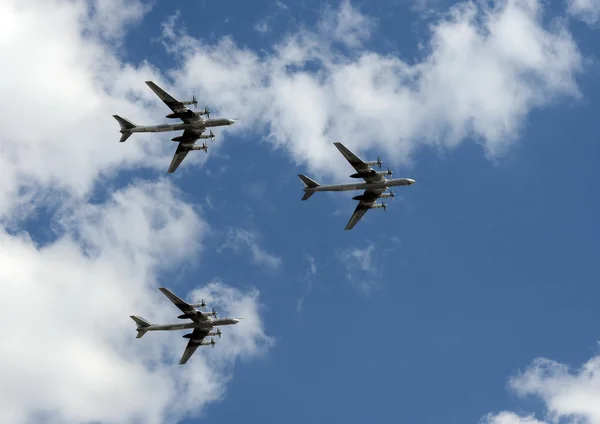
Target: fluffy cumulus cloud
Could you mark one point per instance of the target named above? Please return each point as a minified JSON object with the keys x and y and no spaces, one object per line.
{"x":64,"y":82}
{"x":72,"y":352}
{"x":586,"y":10}
{"x":69,"y":353}
{"x":568,"y":395}
{"x":484,"y":68}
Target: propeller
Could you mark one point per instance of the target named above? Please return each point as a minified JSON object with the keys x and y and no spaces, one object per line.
{"x":384,"y":206}
{"x":212,"y":136}
{"x":390,"y":172}
{"x":207,"y":112}
{"x":379,"y":161}
{"x":212,"y":342}
{"x":194,"y":101}
{"x":219,"y":332}
{"x":214,"y":313}
{"x":392,"y":194}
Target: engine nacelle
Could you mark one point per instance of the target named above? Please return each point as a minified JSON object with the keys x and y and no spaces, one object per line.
{"x":363,"y":197}
{"x":362,"y":174}
{"x":384,"y":173}
{"x":215,"y":333}
{"x":386,"y":195}
{"x":199,"y":305}
{"x":377,"y":162}
{"x":180,"y":138}
{"x":378,"y":206}
{"x":186,"y":114}
{"x":203,"y":147}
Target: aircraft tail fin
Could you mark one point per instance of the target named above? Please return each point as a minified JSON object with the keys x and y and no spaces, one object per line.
{"x":126,"y":127}
{"x":308,"y":185}
{"x":142,"y":324}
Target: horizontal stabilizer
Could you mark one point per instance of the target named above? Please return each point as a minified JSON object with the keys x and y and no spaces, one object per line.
{"x":125,"y":136}
{"x":307,"y":194}
{"x":124,"y":123}
{"x":126,"y":127}
{"x":308,"y":182}
{"x":142,"y":324}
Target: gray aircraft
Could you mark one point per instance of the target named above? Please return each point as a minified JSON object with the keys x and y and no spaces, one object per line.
{"x":202,"y":323}
{"x":193,"y":125}
{"x":375,"y":185}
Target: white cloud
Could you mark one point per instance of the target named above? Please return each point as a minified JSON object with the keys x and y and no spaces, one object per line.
{"x":483,"y":70}
{"x":569,"y":396}
{"x":346,"y":25}
{"x":238,"y":239}
{"x":308,"y":278}
{"x":360,"y":265}
{"x":261,"y":27}
{"x":586,"y":10}
{"x":509,"y":418}
{"x":72,"y":352}
{"x":58,"y":133}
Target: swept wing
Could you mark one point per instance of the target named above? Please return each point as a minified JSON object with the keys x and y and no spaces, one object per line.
{"x":189,"y":138}
{"x":368,"y":199}
{"x":197,"y":336}
{"x":367,"y":173}
{"x":183,"y":112}
{"x":363,"y":169}
{"x":193,"y":313}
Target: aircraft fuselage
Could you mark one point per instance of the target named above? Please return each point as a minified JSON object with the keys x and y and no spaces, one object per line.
{"x":363,"y":186}
{"x":208,"y":324}
{"x":220,"y":122}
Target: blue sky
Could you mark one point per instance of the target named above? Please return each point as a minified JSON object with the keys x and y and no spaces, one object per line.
{"x":471,"y":299}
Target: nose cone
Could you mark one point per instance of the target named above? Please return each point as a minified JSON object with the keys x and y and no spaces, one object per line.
{"x":410,"y":181}
{"x":231,"y":121}
{"x":235,"y":320}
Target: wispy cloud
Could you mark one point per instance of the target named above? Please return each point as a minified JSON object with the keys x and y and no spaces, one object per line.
{"x":308,"y":277}
{"x":361,"y":269}
{"x":239,"y":239}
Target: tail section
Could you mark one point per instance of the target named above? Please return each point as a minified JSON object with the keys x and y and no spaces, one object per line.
{"x":126,"y":127}
{"x":308,"y":185}
{"x":142,"y":324}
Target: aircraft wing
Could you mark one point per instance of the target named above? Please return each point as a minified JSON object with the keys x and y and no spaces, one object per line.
{"x":178,"y":157}
{"x":186,"y":114}
{"x":197,"y":335}
{"x":189,"y":136}
{"x":370,"y":175}
{"x":369,"y":197}
{"x":195,"y":314}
